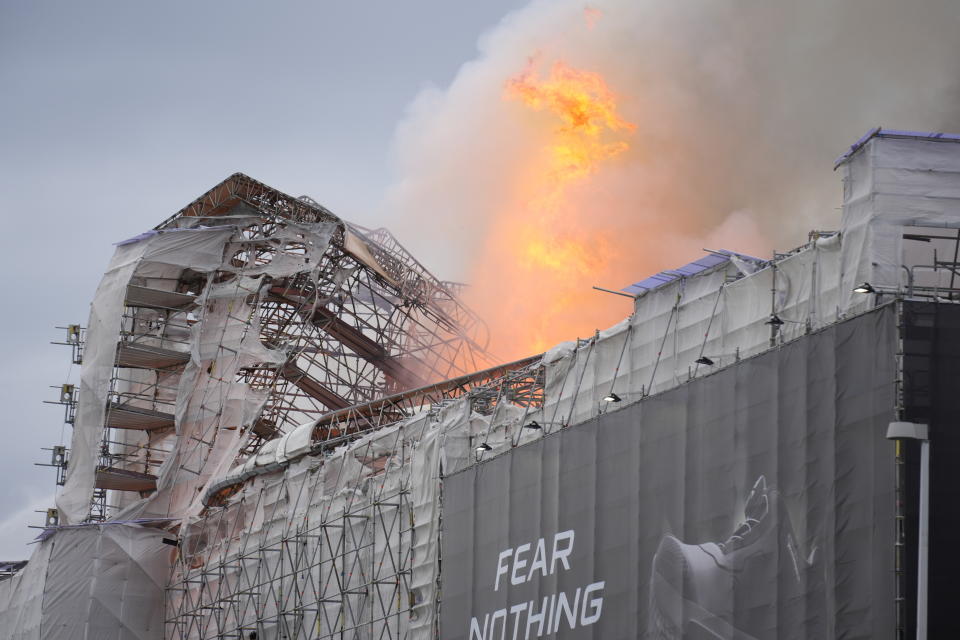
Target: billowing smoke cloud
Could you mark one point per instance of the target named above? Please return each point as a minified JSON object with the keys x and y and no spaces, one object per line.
{"x":739,"y":107}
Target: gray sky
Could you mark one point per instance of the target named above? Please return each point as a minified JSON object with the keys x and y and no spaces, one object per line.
{"x":116,"y":114}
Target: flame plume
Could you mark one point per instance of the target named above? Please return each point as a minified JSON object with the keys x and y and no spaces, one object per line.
{"x":586,"y":108}
{"x":544,"y":254}
{"x":739,"y":106}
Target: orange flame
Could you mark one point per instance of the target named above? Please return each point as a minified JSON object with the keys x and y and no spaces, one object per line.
{"x":586,"y":107}
{"x":534,"y":281}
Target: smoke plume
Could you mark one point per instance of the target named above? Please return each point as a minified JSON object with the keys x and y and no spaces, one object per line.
{"x":736,"y":110}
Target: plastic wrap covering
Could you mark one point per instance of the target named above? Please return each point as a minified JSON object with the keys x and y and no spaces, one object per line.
{"x":891,"y":181}
{"x":425,"y":532}
{"x":710,"y":315}
{"x":180,"y":358}
{"x":363,"y":520}
{"x":21,"y":598}
{"x":318,"y":546}
{"x":328,"y":531}
{"x":201,"y":250}
{"x":295,"y":543}
{"x":94,"y":581}
{"x":209,"y":402}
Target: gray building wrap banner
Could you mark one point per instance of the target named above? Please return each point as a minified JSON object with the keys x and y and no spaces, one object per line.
{"x":753,"y":503}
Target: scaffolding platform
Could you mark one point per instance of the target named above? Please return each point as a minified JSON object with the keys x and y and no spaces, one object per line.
{"x":124,"y":416}
{"x":148,"y":298}
{"x":114,"y":479}
{"x":142,"y":356}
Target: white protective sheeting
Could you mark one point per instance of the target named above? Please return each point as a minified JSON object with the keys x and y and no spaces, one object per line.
{"x":201,"y":250}
{"x":221,"y":335}
{"x":364,"y":521}
{"x":357,"y":247}
{"x":707,"y":315}
{"x":351,"y":537}
{"x":336,"y":543}
{"x":892,"y":181}
{"x":21,"y":598}
{"x":424,"y":545}
{"x":94,"y":581}
{"x":212,"y":410}
{"x":286,"y":496}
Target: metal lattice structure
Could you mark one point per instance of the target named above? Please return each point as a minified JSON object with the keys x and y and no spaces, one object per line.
{"x":336,"y":571}
{"x":344,"y":314}
{"x":335,"y":545}
{"x":273,"y":402}
{"x":249,"y":318}
{"x":359,"y":330}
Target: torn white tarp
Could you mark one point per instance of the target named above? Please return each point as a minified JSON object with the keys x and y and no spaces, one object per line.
{"x":199,"y":249}
{"x":690,"y":326}
{"x":891,"y":181}
{"x":205,"y":344}
{"x":21,"y":598}
{"x":94,"y":581}
{"x":357,"y":247}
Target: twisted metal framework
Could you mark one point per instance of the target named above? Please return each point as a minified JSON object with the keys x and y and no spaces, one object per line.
{"x":368,"y":321}
{"x":358,"y":331}
{"x":369,"y":338}
{"x":519,"y":382}
{"x":331,"y":572}
{"x":326,"y":547}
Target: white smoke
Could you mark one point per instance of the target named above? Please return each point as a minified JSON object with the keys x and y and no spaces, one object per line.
{"x":740,"y":106}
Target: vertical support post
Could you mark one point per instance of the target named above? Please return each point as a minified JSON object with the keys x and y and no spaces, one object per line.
{"x":899,"y":542}
{"x":921,"y":432}
{"x":923,"y":540}
{"x":773,"y":300}
{"x":899,"y":490}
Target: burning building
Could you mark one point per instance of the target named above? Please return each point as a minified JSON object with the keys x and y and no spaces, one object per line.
{"x":287,"y":428}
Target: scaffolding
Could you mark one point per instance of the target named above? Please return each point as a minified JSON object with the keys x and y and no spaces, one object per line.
{"x":253,"y":299}
{"x":342,"y":567}
{"x":282,"y":392}
{"x":341,"y":541}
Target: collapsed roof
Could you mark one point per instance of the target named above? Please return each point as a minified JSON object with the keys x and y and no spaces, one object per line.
{"x":244,"y":315}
